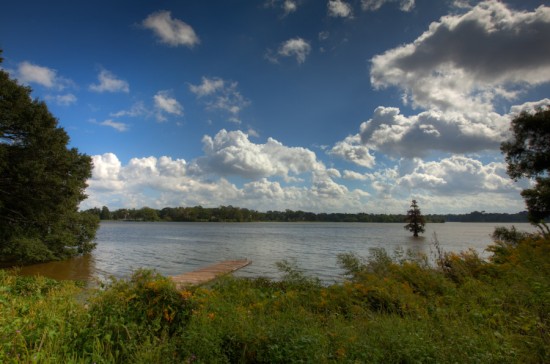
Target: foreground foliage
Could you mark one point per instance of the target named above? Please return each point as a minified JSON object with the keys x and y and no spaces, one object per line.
{"x":390,"y":309}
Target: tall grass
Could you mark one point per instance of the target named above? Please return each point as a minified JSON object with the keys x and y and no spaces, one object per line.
{"x":390,"y":309}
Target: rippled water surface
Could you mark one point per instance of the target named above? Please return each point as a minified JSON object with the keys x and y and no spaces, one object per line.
{"x":174,"y":248}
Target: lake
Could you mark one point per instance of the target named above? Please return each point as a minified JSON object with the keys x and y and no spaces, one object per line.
{"x":173,"y":248}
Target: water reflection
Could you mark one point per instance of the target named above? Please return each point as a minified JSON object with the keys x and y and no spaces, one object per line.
{"x":79,"y":268}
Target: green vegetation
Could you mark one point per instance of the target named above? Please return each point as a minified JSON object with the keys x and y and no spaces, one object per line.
{"x":415,"y":220}
{"x":390,"y":309}
{"x":41,"y":183}
{"x":528,"y":155}
{"x":237,"y":214}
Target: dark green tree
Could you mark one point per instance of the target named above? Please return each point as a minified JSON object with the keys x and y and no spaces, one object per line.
{"x":528,"y":155}
{"x":105,"y":214}
{"x":415,"y":220}
{"x":42,"y":182}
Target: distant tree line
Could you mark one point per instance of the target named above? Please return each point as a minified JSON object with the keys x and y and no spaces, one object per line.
{"x":238,"y":214}
{"x":482,"y":216}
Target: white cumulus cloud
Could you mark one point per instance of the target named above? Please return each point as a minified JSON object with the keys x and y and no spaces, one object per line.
{"x":165,"y":103}
{"x":108,"y":82}
{"x":395,"y":134}
{"x":372,"y":5}
{"x":466,"y":61}
{"x":288,"y":6}
{"x":171,"y":31}
{"x":136,"y":109}
{"x":351,"y":149}
{"x":32,"y":73}
{"x":207,"y":86}
{"x":354,"y":175}
{"x":458,"y":175}
{"x":28,"y":73}
{"x":339,"y":8}
{"x":63,"y":100}
{"x":529,"y":107}
{"x":115,"y":125}
{"x":221,"y":95}
{"x":294,"y":47}
{"x":154,"y":182}
{"x":232,"y":153}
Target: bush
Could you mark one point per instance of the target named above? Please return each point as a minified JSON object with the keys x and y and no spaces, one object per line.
{"x":131,"y":313}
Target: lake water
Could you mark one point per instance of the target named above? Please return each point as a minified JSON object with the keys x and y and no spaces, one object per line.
{"x":174,"y":248}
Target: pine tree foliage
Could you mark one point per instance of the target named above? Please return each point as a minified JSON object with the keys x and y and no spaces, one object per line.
{"x":415,"y":220}
{"x":42,"y":182}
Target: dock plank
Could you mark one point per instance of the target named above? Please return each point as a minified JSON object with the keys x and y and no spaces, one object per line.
{"x":209,"y":273}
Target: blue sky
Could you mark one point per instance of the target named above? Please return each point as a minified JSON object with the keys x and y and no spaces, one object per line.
{"x":318,"y":105}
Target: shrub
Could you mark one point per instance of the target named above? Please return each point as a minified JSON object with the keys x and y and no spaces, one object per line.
{"x":131,"y":313}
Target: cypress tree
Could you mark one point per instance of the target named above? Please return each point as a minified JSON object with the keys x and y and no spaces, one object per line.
{"x":415,"y":220}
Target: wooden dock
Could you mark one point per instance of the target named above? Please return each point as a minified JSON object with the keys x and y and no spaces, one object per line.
{"x":209,"y":273}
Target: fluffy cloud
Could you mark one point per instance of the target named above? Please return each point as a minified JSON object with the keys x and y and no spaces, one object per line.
{"x":165,"y":103}
{"x":115,"y":125}
{"x":458,"y":175}
{"x":63,"y":100}
{"x":529,"y":107}
{"x":150,"y":181}
{"x":268,"y":190}
{"x":397,"y":135}
{"x":339,"y":8}
{"x":173,"y":32}
{"x":108,"y":82}
{"x":232,"y":153}
{"x":288,"y":6}
{"x":136,"y":109}
{"x":372,"y":5}
{"x":354,"y":175}
{"x":454,"y":184}
{"x":161,"y":182}
{"x":295,"y":47}
{"x":323,"y":184}
{"x":207,"y":87}
{"x":31,"y":73}
{"x":464,"y":62}
{"x":221,"y":95}
{"x":352,"y":150}
{"x":105,"y":174}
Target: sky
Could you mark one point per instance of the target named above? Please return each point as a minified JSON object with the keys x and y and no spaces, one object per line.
{"x":314,"y":105}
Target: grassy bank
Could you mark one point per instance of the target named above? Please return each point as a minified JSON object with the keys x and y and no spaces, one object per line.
{"x":391,"y":309}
